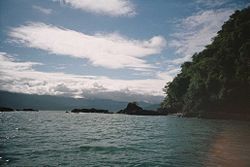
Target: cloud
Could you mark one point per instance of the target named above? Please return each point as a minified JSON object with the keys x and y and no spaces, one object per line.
{"x":107,"y":50}
{"x":169,"y":74}
{"x":22,"y":77}
{"x":197,"y":31}
{"x":212,"y":3}
{"x":42,"y":9}
{"x":111,"y":7}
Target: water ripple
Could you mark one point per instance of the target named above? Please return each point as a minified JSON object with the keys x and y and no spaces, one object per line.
{"x":49,"y":138}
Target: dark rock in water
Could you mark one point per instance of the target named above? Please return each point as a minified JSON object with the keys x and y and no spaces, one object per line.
{"x":134,"y":109}
{"x":131,"y":108}
{"x":92,"y":110}
{"x":6,"y":109}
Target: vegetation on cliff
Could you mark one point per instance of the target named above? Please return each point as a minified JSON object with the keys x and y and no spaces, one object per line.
{"x":218,"y":78}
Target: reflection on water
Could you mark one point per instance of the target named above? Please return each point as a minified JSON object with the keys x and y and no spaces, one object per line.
{"x":231,"y":147}
{"x":49,"y":138}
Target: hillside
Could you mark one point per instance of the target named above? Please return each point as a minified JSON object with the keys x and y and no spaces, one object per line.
{"x":46,"y":102}
{"x":217,"y":80}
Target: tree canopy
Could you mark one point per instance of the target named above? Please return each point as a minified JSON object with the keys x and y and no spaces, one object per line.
{"x":217,"y":78}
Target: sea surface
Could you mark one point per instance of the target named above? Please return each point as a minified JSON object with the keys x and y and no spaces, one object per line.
{"x":55,"y":138}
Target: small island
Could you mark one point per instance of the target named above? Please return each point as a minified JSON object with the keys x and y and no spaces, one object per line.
{"x":131,"y":109}
{"x":27,"y":109}
{"x":92,"y":110}
{"x":134,"y":109}
{"x":6,"y":109}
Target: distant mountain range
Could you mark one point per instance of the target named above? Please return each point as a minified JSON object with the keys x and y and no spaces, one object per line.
{"x":47,"y":102}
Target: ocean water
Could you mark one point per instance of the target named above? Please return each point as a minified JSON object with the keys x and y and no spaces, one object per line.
{"x":55,"y":138}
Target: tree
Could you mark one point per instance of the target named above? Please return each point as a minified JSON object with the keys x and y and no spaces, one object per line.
{"x":218,"y":78}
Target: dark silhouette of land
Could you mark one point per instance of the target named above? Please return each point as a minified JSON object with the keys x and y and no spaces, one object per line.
{"x":6,"y":109}
{"x":47,"y":102}
{"x":131,"y":109}
{"x":92,"y":110}
{"x":215,"y":84}
{"x":134,"y":109}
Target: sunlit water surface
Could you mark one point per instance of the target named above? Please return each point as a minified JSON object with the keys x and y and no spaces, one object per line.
{"x":55,"y":138}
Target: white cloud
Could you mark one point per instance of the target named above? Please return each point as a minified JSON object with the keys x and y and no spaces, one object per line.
{"x":42,"y":9}
{"x":172,"y":72}
{"x":197,"y":31}
{"x":212,"y":3}
{"x":180,"y":60}
{"x":22,"y":77}
{"x":107,"y":50}
{"x":110,"y":7}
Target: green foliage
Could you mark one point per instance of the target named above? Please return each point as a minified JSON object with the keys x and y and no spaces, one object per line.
{"x":218,"y":78}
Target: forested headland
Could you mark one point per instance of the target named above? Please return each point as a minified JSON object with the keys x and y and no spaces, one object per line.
{"x":216,"y":80}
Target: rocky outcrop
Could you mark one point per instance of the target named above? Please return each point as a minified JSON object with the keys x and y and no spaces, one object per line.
{"x":134,"y":109}
{"x":92,"y":110}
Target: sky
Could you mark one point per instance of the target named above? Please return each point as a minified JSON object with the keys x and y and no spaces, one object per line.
{"x":125,"y":50}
